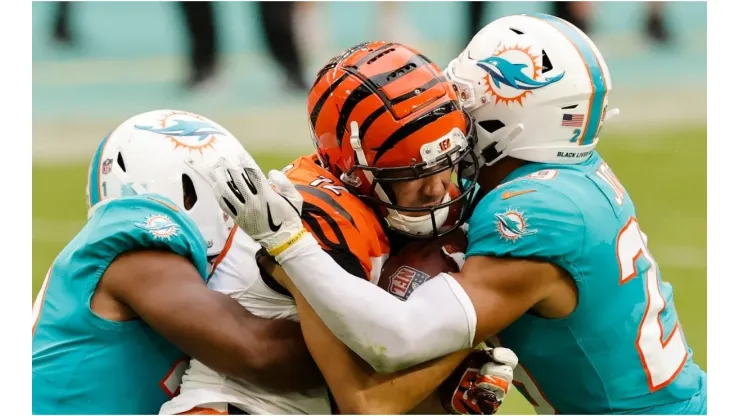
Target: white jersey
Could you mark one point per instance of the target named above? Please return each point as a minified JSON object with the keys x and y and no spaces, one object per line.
{"x":238,"y":276}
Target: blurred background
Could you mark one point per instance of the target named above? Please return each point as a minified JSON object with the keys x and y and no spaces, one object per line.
{"x":247,"y":66}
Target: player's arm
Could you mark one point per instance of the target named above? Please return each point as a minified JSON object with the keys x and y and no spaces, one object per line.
{"x":503,"y":289}
{"x":167,"y":292}
{"x":390,"y":335}
{"x":484,"y":298}
{"x":355,"y":386}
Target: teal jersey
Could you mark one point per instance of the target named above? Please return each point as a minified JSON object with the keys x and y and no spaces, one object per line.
{"x":85,"y":364}
{"x":622,"y":349}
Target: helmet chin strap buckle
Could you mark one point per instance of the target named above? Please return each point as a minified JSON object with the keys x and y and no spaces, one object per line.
{"x":350,"y":180}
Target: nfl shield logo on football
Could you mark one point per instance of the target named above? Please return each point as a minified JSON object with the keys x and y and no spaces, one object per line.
{"x":405,"y":280}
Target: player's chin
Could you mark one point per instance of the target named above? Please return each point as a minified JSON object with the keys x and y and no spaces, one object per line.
{"x":419,"y":209}
{"x":414,"y":214}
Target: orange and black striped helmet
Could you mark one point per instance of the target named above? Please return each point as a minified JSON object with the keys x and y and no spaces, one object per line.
{"x":382,"y":112}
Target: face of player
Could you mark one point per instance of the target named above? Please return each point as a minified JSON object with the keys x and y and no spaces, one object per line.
{"x":424,"y":192}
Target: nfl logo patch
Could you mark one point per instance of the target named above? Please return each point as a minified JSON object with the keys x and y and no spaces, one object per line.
{"x":405,"y":280}
{"x":107,"y":164}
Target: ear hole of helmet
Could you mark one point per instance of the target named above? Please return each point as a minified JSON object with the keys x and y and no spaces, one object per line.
{"x":546,"y":63}
{"x":490,"y":153}
{"x":491,"y":126}
{"x":189,"y":196}
{"x":119,"y":160}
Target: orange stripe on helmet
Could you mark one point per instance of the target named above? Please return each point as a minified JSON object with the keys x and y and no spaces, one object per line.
{"x":433,"y":124}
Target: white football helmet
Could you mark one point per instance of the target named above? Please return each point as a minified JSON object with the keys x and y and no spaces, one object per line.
{"x":537,"y":87}
{"x":155,"y":152}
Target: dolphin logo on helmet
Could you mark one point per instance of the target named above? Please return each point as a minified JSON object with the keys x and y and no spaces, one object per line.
{"x":510,"y":74}
{"x":185,"y":128}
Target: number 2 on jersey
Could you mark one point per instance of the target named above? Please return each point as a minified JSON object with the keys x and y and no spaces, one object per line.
{"x":661,"y":360}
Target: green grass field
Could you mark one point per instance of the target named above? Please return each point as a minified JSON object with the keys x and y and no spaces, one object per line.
{"x":665,"y":173}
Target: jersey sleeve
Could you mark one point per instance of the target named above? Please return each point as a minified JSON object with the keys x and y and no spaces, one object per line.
{"x":526,"y":218}
{"x":145,"y":222}
{"x":340,"y":229}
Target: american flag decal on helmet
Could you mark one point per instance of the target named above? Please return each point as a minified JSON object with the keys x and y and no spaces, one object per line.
{"x":572,"y":120}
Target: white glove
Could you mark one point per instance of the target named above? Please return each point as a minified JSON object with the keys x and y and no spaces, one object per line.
{"x":268,"y":211}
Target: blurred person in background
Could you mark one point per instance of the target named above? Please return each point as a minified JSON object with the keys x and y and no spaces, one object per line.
{"x":655,"y":27}
{"x":61,"y":24}
{"x":577,"y":12}
{"x":277,"y":26}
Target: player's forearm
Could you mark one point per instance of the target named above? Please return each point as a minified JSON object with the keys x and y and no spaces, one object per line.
{"x":389,"y":334}
{"x":217,"y":331}
{"x":403,"y":391}
{"x":431,"y":405}
{"x":280,"y":359}
{"x":356,"y":388}
{"x":268,"y":352}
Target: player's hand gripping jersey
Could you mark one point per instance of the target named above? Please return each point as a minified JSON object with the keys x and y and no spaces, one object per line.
{"x":74,"y":351}
{"x":346,"y":228}
{"x":622,"y":348}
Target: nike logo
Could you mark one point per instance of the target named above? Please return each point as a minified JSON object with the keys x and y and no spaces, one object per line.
{"x":270,"y":222}
{"x":509,"y":194}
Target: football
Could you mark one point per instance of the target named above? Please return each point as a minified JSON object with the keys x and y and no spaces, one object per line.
{"x":405,"y":271}
{"x":419,"y":261}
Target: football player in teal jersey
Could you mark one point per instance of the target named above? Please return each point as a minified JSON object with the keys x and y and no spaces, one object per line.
{"x":125,"y":302}
{"x":557,"y":268}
